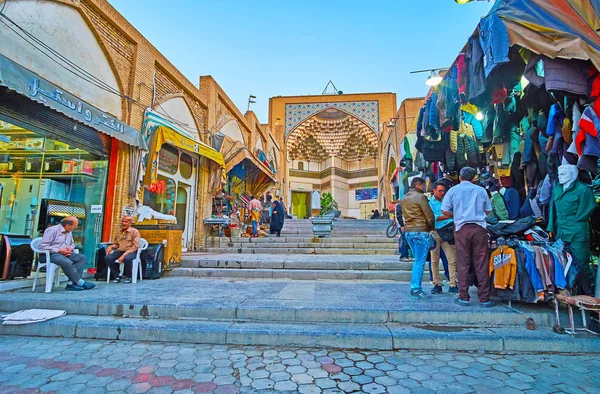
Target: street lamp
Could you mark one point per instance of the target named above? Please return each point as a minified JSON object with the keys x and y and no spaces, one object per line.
{"x":434,"y":78}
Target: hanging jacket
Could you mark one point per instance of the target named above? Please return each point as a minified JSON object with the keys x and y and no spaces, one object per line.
{"x":433,"y":122}
{"x":513,"y":203}
{"x":556,"y":118}
{"x":462,"y":78}
{"x":493,"y":37}
{"x":475,"y":63}
{"x":503,"y":265}
{"x":560,"y":282}
{"x":534,"y":275}
{"x":499,"y":207}
{"x":476,"y":124}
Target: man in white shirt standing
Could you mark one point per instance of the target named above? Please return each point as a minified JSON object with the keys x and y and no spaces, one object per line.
{"x":468,"y":205}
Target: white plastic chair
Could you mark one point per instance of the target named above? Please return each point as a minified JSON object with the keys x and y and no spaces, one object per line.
{"x":136,"y":264}
{"x":52,"y":270}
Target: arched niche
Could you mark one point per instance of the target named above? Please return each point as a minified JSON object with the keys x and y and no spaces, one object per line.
{"x":177,"y":111}
{"x":62,"y":28}
{"x":232,"y":129}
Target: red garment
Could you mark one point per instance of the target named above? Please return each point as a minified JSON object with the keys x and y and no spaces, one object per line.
{"x":463,"y":79}
{"x":587,"y":125}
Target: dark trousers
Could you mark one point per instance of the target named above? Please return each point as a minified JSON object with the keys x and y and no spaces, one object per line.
{"x":111,"y":261}
{"x":273,"y":231}
{"x":472,"y":251}
{"x":403,"y":249}
{"x":72,"y":266}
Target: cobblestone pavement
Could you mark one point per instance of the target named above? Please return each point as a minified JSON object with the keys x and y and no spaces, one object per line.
{"x":29,"y":365}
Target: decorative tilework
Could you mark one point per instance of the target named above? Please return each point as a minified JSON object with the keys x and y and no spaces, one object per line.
{"x":367,"y":111}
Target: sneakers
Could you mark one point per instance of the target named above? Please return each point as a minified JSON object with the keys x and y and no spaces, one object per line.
{"x":487,"y":304}
{"x":118,"y":280}
{"x":88,"y":285}
{"x":127,"y":280}
{"x":453,"y":290}
{"x":418,"y":294}
{"x":460,"y":302}
{"x":74,"y":287}
{"x":437,"y":289}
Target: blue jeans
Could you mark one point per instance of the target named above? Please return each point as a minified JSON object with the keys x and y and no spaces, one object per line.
{"x":254,"y":227}
{"x":419,"y":245}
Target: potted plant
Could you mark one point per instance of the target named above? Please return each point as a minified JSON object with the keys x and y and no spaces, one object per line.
{"x":323,"y":223}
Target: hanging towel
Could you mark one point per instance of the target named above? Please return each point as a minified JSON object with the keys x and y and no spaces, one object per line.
{"x":28,"y":316}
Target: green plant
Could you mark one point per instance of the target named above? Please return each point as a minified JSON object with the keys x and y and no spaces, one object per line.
{"x":328,"y":204}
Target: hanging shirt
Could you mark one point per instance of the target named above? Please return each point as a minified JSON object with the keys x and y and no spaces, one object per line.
{"x":503,"y":264}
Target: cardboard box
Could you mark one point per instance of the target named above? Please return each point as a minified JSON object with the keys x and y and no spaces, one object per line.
{"x":87,"y":167}
{"x":172,"y":233}
{"x":53,"y":164}
{"x":33,"y":164}
{"x":16,"y":164}
{"x":71,"y":166}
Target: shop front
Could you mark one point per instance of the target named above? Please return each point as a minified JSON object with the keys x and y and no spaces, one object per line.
{"x":172,"y":176}
{"x":246,"y":176}
{"x":54,"y":158}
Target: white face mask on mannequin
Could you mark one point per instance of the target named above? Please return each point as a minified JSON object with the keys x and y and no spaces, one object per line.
{"x":567,"y":174}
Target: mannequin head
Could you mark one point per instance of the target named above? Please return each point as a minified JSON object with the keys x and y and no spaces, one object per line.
{"x":567,"y":174}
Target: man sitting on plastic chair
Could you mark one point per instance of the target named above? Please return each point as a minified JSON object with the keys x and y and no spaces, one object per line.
{"x":59,"y":241}
{"x":123,"y":250}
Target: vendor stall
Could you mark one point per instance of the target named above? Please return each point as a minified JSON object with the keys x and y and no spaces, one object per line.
{"x":520,"y":105}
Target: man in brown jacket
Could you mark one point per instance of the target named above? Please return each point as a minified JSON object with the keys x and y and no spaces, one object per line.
{"x":418,"y":222}
{"x":123,"y":250}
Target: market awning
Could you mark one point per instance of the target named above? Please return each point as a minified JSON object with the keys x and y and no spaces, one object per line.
{"x":243,"y":154}
{"x":559,"y":28}
{"x":23,"y":81}
{"x":165,"y":135}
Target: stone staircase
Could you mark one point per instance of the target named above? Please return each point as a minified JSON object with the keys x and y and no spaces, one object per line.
{"x":295,"y":266}
{"x":336,"y":314}
{"x":348,"y":237}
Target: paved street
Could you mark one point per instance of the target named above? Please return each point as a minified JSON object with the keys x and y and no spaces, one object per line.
{"x":29,"y":365}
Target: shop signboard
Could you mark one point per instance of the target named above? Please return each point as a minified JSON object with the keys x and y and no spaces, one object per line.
{"x":23,"y":81}
{"x":366,"y":194}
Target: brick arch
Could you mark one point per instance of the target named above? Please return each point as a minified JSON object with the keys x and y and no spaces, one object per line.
{"x":171,"y":96}
{"x":125,"y":91}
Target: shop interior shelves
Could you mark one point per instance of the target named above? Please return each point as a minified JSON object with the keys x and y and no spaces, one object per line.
{"x":70,"y":153}
{"x":84,"y":177}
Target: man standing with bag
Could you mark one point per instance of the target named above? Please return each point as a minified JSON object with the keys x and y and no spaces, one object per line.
{"x":444,"y":237}
{"x":418,"y":222}
{"x":468,"y":205}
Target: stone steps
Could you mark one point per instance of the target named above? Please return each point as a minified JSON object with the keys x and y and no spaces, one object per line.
{"x":292,"y":250}
{"x":295,"y":274}
{"x":303,"y":239}
{"x":268,"y":262}
{"x":365,"y":315}
{"x":345,"y":336}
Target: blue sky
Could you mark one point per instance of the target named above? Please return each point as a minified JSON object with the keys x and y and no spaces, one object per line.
{"x":272,"y":48}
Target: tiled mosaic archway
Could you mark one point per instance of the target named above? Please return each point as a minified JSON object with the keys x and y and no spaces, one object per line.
{"x":367,"y":111}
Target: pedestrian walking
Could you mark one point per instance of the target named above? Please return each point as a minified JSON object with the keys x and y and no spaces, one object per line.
{"x":255,"y":208}
{"x":418,"y":222}
{"x":277,"y":218}
{"x":444,"y":238}
{"x":468,"y":205}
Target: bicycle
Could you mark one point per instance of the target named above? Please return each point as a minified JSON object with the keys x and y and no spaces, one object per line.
{"x":392,"y":229}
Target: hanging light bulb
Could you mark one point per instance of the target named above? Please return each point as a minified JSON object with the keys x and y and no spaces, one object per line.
{"x":479,"y":116}
{"x":463,"y":1}
{"x":434,"y":79}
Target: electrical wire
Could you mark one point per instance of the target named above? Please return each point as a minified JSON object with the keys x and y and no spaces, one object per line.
{"x":57,"y":54}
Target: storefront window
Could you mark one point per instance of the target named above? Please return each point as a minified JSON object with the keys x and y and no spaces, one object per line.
{"x":42,"y":180}
{"x":161,"y":196}
{"x":186,"y":166}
